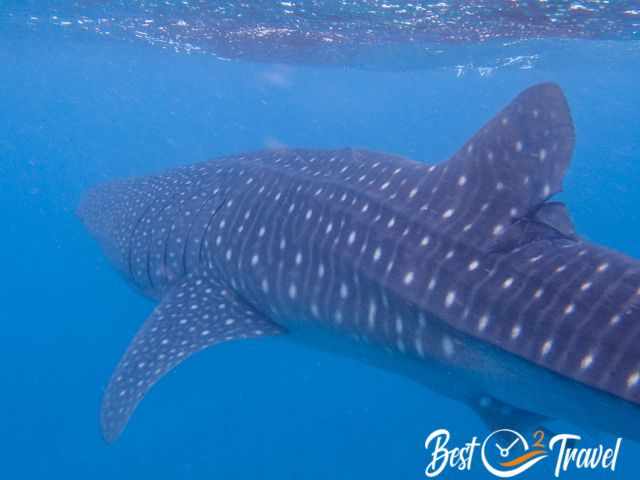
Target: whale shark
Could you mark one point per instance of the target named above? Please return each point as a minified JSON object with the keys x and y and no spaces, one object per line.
{"x":465,"y":275}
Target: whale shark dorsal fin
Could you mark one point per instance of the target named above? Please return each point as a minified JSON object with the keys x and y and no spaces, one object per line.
{"x":507,"y":169}
{"x":194,"y":315}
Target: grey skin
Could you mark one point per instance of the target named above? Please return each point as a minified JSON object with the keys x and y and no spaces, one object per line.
{"x":463,"y":276}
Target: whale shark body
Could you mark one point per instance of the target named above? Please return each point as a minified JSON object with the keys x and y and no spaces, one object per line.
{"x":463,"y":275}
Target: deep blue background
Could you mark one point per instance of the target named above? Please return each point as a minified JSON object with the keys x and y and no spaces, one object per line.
{"x":75,"y":111}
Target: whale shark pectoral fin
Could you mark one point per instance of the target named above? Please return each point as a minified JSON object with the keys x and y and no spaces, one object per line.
{"x":194,"y":315}
{"x":496,"y":414}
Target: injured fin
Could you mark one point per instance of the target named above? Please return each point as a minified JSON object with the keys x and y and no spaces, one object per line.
{"x":556,"y":216}
{"x":194,"y":315}
{"x":551,"y":222}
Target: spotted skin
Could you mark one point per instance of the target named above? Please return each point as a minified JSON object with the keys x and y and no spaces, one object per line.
{"x":424,"y":260}
{"x":197,"y":313}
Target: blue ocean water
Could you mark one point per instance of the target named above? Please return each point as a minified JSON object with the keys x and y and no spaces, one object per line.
{"x":77,"y":109}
